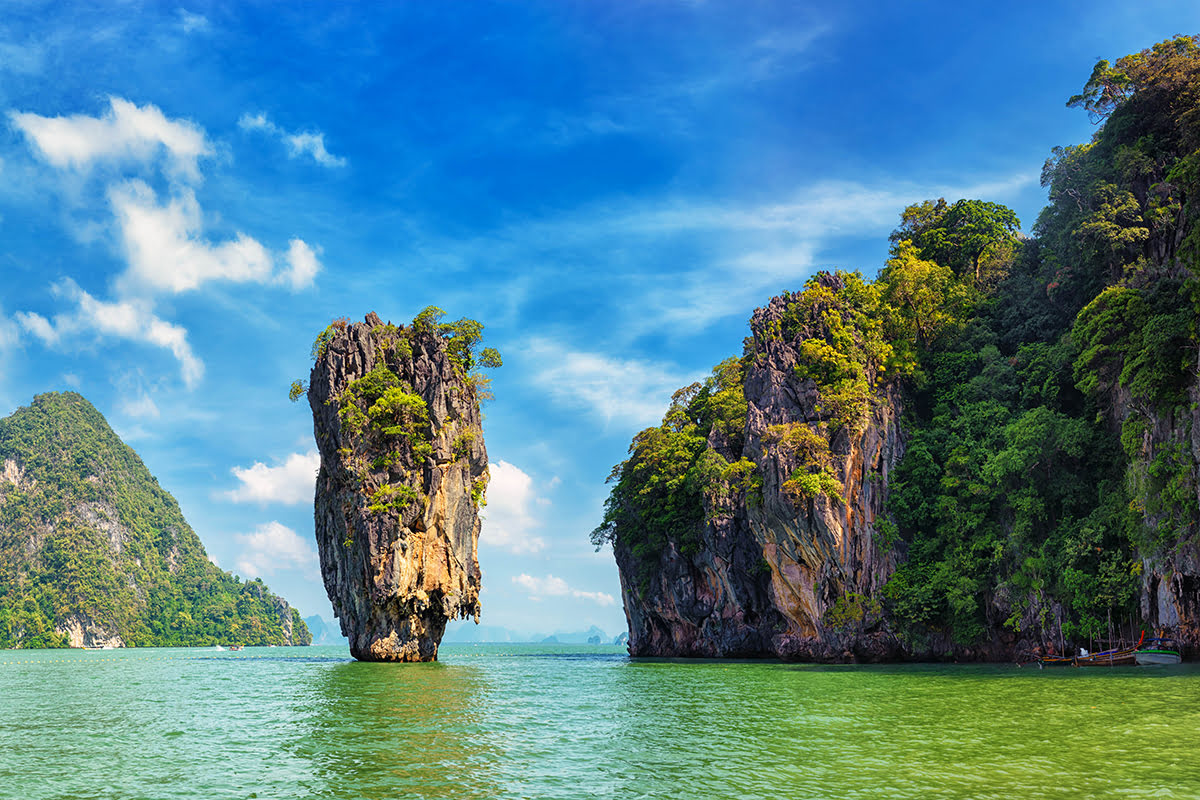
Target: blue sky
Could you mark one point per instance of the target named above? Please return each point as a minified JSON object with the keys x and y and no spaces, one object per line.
{"x":190,"y":193}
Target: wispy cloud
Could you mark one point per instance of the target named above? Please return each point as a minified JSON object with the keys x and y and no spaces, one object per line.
{"x":303,"y":143}
{"x":164,"y":241}
{"x":193,"y":23}
{"x":627,"y":252}
{"x":289,"y":483}
{"x":510,"y":515}
{"x":130,"y":320}
{"x":22,"y":59}
{"x":273,"y":547}
{"x":551,"y":586}
{"x":139,"y":406}
{"x":627,"y":391}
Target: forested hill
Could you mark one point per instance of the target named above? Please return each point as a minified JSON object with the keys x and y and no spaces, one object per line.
{"x":93,"y":551}
{"x":990,"y":450}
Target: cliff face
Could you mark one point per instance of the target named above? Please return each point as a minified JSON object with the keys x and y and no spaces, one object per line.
{"x":403,"y":470}
{"x":93,"y":552}
{"x":1170,"y":598}
{"x":780,"y":569}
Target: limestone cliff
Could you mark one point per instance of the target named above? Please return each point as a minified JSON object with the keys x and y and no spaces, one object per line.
{"x":403,"y":471}
{"x":789,"y":550}
{"x":1167,"y":461}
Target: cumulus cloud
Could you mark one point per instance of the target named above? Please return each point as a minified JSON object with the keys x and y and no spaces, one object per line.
{"x":289,"y":483}
{"x":164,"y":249}
{"x":551,"y":586}
{"x":273,"y":547}
{"x":302,"y":265}
{"x":130,"y":320}
{"x":627,"y":391}
{"x":509,"y":521}
{"x":304,"y":143}
{"x":125,"y":133}
{"x":163,"y":239}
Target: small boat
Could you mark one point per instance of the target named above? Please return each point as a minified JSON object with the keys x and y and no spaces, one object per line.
{"x":235,"y":647}
{"x":1157,"y":651}
{"x":1117,"y":657}
{"x":1122,"y":657}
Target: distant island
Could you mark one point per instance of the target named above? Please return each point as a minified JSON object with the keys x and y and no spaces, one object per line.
{"x":988,"y":452}
{"x":93,"y":552}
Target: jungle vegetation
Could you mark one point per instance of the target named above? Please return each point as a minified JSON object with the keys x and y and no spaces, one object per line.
{"x":85,"y":529}
{"x":1045,"y":382}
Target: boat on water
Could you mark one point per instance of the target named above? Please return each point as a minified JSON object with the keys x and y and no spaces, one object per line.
{"x":1121,"y":657}
{"x":1157,"y":651}
{"x":235,"y":647}
{"x":1115,"y":657}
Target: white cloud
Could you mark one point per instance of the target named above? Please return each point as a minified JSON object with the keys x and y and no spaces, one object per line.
{"x":125,"y":133}
{"x":508,"y":519}
{"x":303,"y":265}
{"x":272,"y":547}
{"x":131,"y":320}
{"x":290,"y":483}
{"x":163,"y":247}
{"x":551,"y":586}
{"x":38,"y":326}
{"x":631,"y":392}
{"x":310,"y":143}
{"x":163,"y":241}
{"x":314,"y":144}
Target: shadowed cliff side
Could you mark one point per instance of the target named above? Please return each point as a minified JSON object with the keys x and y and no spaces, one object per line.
{"x":403,"y":473}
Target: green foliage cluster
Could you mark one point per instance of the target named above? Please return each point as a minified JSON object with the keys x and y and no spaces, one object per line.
{"x":88,"y":531}
{"x":657,"y":496}
{"x":852,"y":609}
{"x":1013,"y":485}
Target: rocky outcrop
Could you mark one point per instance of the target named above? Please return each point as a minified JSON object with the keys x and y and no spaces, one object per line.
{"x":780,"y":572}
{"x":1170,"y":602}
{"x":403,"y":470}
{"x":82,"y":631}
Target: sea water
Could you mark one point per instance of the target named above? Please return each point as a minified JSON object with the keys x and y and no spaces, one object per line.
{"x":536,"y":721}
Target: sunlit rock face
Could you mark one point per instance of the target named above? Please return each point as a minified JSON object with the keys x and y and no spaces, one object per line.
{"x":779,"y":575}
{"x":403,"y":472}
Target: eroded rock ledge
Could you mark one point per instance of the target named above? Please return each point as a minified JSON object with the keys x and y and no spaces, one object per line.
{"x":403,"y":472}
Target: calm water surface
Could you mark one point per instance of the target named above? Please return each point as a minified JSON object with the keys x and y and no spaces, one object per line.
{"x":512,"y":721}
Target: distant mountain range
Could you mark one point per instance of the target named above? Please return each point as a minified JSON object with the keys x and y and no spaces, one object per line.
{"x":94,"y":552}
{"x":465,"y":631}
{"x":324,"y":632}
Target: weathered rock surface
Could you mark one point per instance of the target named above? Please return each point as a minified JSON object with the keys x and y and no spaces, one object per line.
{"x":397,"y":517}
{"x":1170,"y":600}
{"x":767,"y":574}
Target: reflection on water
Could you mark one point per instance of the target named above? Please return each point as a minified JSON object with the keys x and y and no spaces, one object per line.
{"x":395,"y":730}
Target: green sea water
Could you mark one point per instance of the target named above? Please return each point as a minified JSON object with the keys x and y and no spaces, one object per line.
{"x":512,"y":721}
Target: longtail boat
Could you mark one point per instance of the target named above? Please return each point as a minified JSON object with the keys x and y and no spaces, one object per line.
{"x":1117,"y":657}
